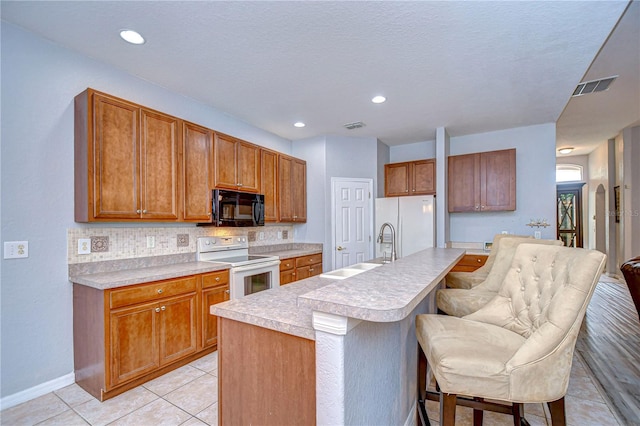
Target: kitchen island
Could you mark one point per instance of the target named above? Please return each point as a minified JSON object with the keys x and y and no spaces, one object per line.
{"x":326,"y":350}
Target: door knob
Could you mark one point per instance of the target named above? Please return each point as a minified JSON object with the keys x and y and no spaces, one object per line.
{"x":340,"y":248}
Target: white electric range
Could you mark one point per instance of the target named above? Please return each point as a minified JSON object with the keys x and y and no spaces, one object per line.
{"x":248,"y":273}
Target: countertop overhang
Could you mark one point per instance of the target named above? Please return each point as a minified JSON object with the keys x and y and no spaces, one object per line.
{"x":385,"y":294}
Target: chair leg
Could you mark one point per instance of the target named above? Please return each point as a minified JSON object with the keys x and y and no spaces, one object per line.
{"x":448,"y":409}
{"x":518,"y":415}
{"x":478,"y":415}
{"x":558,"y":417}
{"x":421,"y":416}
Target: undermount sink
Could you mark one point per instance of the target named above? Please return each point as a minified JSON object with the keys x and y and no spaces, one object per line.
{"x":341,"y":274}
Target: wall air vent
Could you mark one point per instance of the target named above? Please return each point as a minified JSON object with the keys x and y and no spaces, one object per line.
{"x":354,"y":125}
{"x":593,"y":86}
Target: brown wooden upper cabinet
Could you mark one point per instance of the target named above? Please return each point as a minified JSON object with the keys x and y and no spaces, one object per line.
{"x":126,"y":161}
{"x":269,"y":183}
{"x":292,"y":189}
{"x":484,"y":181}
{"x":197,"y":173}
{"x":410,"y":178}
{"x":236,"y":164}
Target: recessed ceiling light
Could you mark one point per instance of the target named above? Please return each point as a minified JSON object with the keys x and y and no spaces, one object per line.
{"x":378,"y":99}
{"x":299,"y":124}
{"x":566,"y":150}
{"x":131,"y":36}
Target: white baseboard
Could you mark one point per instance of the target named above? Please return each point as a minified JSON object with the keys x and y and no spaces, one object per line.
{"x":36,"y":391}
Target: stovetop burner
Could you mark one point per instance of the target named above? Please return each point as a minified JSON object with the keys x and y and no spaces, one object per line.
{"x":232,"y":250}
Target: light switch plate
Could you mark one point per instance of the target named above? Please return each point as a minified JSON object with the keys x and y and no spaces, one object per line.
{"x":16,"y":249}
{"x":84,"y":245}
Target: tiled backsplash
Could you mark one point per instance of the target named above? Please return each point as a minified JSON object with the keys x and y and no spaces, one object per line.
{"x":128,"y":243}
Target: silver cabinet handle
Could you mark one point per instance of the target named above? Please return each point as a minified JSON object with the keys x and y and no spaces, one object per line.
{"x":163,"y":308}
{"x":217,"y":278}
{"x":144,"y":211}
{"x":226,"y":291}
{"x":159,"y":291}
{"x":138,"y":211}
{"x":340,"y":248}
{"x":157,"y":309}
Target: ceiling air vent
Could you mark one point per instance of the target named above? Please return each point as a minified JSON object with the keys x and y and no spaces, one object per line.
{"x":593,"y":86}
{"x":354,"y":125}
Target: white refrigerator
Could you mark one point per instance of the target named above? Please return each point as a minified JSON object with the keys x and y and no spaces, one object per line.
{"x":413,"y":219}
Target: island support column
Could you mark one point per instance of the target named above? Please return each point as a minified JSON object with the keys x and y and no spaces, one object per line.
{"x":366,"y":371}
{"x":330,"y":367}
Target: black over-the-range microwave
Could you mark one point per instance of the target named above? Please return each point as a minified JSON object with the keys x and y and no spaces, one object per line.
{"x":235,"y":208}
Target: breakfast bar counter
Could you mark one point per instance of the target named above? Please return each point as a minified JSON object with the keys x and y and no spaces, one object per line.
{"x":327,"y":350}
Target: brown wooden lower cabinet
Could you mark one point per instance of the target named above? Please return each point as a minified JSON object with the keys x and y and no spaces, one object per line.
{"x":299,"y":268}
{"x":470,"y":262}
{"x":273,"y":385}
{"x":126,"y":336}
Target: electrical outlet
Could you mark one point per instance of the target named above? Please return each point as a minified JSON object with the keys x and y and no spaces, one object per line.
{"x":151,"y":241}
{"x":279,"y":235}
{"x":16,"y":249}
{"x":261,"y":235}
{"x":84,"y":245}
{"x":537,"y":235}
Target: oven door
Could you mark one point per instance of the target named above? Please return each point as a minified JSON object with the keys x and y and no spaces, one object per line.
{"x":249,"y":279}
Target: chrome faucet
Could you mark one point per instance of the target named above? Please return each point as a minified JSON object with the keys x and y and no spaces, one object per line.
{"x":393,"y":240}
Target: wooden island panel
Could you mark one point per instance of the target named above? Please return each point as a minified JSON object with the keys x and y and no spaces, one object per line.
{"x":253,"y":359}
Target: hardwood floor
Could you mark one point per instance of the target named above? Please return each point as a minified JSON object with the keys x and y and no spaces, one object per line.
{"x":609,"y":342}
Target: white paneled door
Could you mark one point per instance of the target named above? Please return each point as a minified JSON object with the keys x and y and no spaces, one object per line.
{"x":352,"y":221}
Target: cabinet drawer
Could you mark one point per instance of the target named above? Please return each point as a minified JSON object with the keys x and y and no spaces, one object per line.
{"x":470,"y":262}
{"x":150,"y":292}
{"x":287,"y":264}
{"x":215,"y":279}
{"x":308,"y":260}
{"x":473,"y":260}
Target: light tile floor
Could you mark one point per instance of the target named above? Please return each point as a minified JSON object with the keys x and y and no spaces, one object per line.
{"x":186,"y":396}
{"x":189,"y":396}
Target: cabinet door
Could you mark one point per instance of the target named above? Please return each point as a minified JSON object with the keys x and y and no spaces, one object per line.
{"x":285,"y":195}
{"x":303,"y":272}
{"x":177,"y":328}
{"x":396,"y":179}
{"x":464,"y":183}
{"x":498,"y":180}
{"x":287,"y":277}
{"x":196,"y":173}
{"x":134,"y":342}
{"x":159,"y":166}
{"x":269,"y":183}
{"x":423,"y":177}
{"x":248,"y":167}
{"x":116,"y":160}
{"x":224,"y":154}
{"x":211,"y":296}
{"x":315,"y":269}
{"x":299,"y":185}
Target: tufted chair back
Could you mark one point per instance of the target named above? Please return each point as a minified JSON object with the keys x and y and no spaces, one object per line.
{"x":543,"y":298}
{"x":504,"y":258}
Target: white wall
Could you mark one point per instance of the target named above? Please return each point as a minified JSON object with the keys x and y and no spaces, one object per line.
{"x":535,"y":183}
{"x":413,"y":151}
{"x":332,"y":156}
{"x":630,"y":193}
{"x":39,"y":82}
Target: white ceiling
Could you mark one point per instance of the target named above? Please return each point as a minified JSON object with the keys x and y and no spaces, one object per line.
{"x":471,"y":67}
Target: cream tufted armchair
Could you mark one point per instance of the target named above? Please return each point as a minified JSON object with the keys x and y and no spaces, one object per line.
{"x":469,"y":280}
{"x":460,"y":302}
{"x":517,"y":348}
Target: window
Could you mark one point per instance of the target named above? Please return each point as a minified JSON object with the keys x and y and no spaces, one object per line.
{"x":568,"y":173}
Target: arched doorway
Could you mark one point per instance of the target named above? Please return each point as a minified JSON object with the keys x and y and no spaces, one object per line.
{"x":601,"y":220}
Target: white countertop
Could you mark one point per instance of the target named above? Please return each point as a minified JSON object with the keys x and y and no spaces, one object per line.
{"x":385,"y":294}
